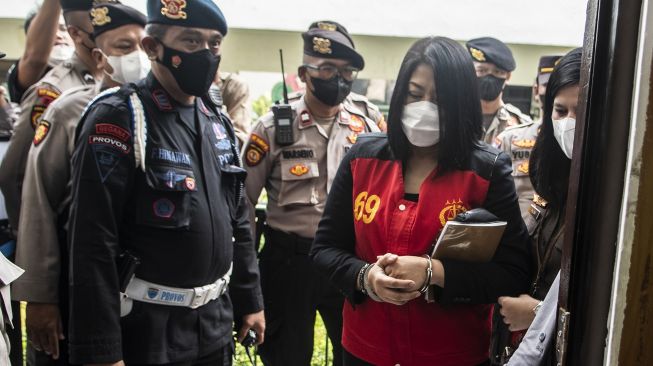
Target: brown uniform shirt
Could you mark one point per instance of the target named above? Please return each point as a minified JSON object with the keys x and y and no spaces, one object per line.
{"x":518,"y":142}
{"x":297,"y":177}
{"x":46,"y":194}
{"x":507,"y":115}
{"x":235,"y":96}
{"x":36,"y":99}
{"x":546,"y":229}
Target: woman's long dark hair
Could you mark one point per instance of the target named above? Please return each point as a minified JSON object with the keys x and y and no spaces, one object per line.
{"x":458,"y":101}
{"x":549,"y":166}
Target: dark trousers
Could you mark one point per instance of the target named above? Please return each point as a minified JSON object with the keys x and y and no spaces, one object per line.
{"x":15,"y":336}
{"x":293,"y":291}
{"x":221,"y":357}
{"x":351,"y":360}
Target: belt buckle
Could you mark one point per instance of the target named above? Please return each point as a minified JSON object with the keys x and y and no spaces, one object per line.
{"x":200,"y":296}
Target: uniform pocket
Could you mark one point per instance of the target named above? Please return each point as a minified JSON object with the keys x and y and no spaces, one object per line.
{"x":298,"y":182}
{"x":164,"y":200}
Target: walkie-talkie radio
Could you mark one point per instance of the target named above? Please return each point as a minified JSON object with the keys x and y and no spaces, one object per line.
{"x":283,"y":115}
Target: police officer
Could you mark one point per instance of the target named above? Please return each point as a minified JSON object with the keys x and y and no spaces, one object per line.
{"x":230,"y":93}
{"x":47,"y":44}
{"x":117,"y":31}
{"x":494,"y":65}
{"x":158,"y":212}
{"x":297,"y":175}
{"x":544,"y":70}
{"x":518,"y":141}
{"x":78,"y":70}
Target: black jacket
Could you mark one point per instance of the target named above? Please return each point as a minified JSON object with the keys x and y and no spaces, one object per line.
{"x":179,"y":216}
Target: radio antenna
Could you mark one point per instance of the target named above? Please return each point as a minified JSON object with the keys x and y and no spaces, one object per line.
{"x":283,"y":78}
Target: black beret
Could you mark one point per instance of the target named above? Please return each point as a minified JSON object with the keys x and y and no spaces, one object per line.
{"x":488,"y":49}
{"x":108,"y":16}
{"x":545,"y":68}
{"x":328,"y":39}
{"x":76,"y":5}
{"x":187,"y":13}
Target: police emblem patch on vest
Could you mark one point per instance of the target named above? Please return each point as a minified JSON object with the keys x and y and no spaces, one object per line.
{"x":163,"y":208}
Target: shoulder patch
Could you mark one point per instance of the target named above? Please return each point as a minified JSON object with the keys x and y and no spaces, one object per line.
{"x":112,"y":130}
{"x":44,"y":96}
{"x":257,"y":148}
{"x":41,"y":132}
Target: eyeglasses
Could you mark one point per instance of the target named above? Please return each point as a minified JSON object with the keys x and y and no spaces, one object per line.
{"x":327,"y":71}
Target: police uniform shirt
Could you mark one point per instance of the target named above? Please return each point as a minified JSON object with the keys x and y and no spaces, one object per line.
{"x":180,"y":211}
{"x":297,"y":177}
{"x":45,"y":197}
{"x":36,"y":99}
{"x":235,"y":98}
{"x":507,"y":115}
{"x":518,"y":142}
{"x":545,"y":226}
{"x":370,"y":110}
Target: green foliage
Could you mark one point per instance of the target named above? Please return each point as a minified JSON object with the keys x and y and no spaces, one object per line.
{"x":318,"y":349}
{"x":261,"y":106}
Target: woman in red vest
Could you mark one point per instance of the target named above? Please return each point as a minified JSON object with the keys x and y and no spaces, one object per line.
{"x":390,"y":199}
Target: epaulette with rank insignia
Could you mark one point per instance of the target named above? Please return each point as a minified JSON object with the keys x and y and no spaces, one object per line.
{"x":537,"y":207}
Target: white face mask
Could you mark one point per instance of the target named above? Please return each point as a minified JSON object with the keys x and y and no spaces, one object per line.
{"x":129,"y":68}
{"x":563,"y":131}
{"x":60,"y":53}
{"x":421,"y":123}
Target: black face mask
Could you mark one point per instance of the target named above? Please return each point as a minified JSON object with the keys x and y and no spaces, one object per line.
{"x":331,"y":91}
{"x":490,"y":87}
{"x":194,"y":72}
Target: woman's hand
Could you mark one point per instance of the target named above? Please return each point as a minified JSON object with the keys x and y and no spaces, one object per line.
{"x":405,"y":268}
{"x":392,"y":290}
{"x":518,"y":312}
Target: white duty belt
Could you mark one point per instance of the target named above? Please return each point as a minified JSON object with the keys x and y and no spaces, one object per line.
{"x":140,"y":290}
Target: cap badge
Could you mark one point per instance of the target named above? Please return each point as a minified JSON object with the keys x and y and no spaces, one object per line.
{"x":327,"y":26}
{"x":174,"y":9}
{"x":100,"y":16}
{"x":321,"y":45}
{"x":477,"y":54}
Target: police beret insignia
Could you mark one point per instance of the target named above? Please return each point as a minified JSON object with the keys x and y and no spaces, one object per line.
{"x":327,"y":26}
{"x":477,"y":54}
{"x":41,"y":132}
{"x":322,"y":45}
{"x":100,"y":16}
{"x":299,"y":170}
{"x":174,"y":9}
